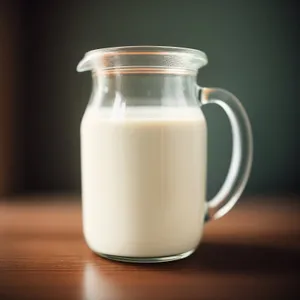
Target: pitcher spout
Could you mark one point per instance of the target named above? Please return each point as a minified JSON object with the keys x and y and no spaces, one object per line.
{"x":85,"y":64}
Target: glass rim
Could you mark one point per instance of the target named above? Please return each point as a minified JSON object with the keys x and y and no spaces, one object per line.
{"x":161,"y":56}
{"x":149,"y":50}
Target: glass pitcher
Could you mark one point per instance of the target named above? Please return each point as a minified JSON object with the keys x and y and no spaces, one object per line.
{"x":143,"y":153}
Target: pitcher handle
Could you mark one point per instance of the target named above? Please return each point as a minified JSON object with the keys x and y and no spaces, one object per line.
{"x":242,"y":151}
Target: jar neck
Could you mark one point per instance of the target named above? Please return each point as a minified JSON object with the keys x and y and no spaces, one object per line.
{"x":145,"y":89}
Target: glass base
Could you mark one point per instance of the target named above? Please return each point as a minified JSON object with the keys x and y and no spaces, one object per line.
{"x":159,"y":259}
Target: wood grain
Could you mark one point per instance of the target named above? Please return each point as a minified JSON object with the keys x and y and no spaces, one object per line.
{"x":253,"y":253}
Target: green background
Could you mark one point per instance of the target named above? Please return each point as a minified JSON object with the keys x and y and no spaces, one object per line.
{"x":252,"y":48}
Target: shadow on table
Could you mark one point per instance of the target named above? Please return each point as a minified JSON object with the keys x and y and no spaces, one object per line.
{"x":221,"y":257}
{"x":248,"y":258}
{"x":273,"y":275}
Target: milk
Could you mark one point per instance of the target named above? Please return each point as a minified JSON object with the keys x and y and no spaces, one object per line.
{"x":143,"y":180}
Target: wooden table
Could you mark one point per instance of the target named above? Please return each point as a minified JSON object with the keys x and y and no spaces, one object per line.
{"x":252,"y":253}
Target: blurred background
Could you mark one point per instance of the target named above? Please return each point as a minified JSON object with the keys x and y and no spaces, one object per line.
{"x":253,"y":51}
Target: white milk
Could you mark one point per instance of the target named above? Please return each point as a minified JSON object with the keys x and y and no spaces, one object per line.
{"x":143,"y":180}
